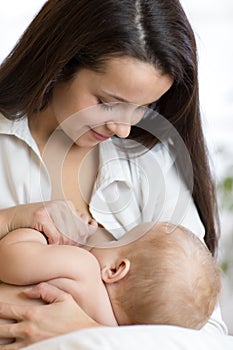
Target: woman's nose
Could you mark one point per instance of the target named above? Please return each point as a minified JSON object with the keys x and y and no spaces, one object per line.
{"x":121,"y":130}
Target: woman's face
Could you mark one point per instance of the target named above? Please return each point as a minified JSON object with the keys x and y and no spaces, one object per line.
{"x":95,"y":106}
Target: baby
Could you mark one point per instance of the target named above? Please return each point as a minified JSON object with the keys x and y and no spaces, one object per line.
{"x":166,"y":276}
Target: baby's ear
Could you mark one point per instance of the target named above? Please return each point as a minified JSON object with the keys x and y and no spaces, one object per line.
{"x":111,"y":274}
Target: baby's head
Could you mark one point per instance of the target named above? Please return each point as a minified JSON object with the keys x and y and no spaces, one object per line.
{"x":167,"y":276}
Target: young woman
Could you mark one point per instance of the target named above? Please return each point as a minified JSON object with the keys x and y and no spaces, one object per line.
{"x":70,"y":91}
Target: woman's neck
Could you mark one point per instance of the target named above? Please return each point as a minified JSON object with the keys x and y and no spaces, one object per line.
{"x":41,"y":126}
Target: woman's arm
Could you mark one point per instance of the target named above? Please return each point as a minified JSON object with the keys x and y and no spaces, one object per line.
{"x":26,"y":258}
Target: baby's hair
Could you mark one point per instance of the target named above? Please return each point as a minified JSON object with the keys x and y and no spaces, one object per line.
{"x":173,"y":279}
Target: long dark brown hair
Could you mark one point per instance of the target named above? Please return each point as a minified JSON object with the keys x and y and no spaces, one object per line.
{"x":68,"y":35}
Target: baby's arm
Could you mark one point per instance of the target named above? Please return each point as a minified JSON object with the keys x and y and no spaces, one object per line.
{"x":26,"y":258}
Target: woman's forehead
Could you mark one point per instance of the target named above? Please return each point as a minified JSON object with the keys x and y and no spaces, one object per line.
{"x":127,"y":79}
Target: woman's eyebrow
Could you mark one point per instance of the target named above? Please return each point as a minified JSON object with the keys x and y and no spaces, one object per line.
{"x":119,"y":98}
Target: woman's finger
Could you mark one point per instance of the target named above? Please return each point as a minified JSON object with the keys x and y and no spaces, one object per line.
{"x":44,"y":223}
{"x":14,"y":346}
{"x":10,"y":311}
{"x":93,"y":224}
{"x":14,"y":336}
{"x":7,"y":331}
{"x":43,"y":321}
{"x":48,"y":293}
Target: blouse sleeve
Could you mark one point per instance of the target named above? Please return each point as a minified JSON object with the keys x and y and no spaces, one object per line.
{"x":215,"y":324}
{"x":164,"y":195}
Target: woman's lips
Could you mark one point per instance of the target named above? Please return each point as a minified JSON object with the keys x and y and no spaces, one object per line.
{"x":98,"y":136}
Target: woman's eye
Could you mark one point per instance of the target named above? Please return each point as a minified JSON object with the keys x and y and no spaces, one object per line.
{"x":106,"y":106}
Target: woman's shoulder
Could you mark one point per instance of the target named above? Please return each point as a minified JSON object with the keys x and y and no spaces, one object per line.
{"x":9,"y":126}
{"x":18,"y":128}
{"x":5,"y":124}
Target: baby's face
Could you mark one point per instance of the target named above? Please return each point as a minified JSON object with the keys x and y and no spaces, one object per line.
{"x":137,"y":232}
{"x":129,"y":237}
{"x":109,"y":252}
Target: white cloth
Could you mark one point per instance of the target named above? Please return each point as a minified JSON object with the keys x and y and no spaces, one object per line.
{"x":127,"y":191}
{"x":137,"y":338}
{"x":134,"y":189}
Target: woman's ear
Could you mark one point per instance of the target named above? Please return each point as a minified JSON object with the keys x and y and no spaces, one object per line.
{"x":111,"y":274}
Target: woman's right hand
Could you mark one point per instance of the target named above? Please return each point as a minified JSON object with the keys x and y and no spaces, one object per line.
{"x":35,"y":323}
{"x":58,"y":220}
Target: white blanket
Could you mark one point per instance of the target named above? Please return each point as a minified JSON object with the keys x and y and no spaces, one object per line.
{"x":137,"y":338}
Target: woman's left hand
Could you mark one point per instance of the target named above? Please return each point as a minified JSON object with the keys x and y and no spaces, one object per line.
{"x":35,"y":323}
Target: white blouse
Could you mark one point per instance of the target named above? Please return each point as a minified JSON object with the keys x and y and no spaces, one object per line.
{"x":128,"y":190}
